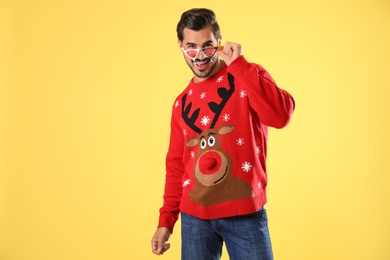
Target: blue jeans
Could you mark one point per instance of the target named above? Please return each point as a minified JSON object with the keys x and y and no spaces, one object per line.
{"x":246,"y":237}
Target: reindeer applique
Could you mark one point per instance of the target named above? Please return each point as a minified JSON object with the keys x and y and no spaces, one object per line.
{"x":215,"y":182}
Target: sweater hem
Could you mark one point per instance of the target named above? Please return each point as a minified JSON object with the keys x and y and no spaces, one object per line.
{"x":224,"y":210}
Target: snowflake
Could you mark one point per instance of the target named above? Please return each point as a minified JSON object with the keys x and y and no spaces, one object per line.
{"x":246,"y":166}
{"x":259,"y":185}
{"x":242,"y":94}
{"x":177,"y":103}
{"x":205,"y":120}
{"x":186,"y":182}
{"x":203,"y":95}
{"x":192,"y":154}
{"x":226,"y":117}
{"x":258,"y":150}
{"x":185,"y":131}
{"x":240,"y":141}
{"x":220,"y":79}
{"x":190,"y":92}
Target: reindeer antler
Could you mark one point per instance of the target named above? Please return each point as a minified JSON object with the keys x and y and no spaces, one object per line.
{"x":225,"y":95}
{"x":190,"y":121}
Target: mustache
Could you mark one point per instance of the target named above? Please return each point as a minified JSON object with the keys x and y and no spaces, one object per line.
{"x":205,"y":59}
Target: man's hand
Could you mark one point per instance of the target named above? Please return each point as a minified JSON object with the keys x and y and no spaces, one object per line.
{"x":159,"y":241}
{"x":230,"y":52}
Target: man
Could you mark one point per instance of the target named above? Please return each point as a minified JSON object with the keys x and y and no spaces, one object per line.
{"x":215,"y":165}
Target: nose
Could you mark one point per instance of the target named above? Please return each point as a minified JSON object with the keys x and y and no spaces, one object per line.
{"x":201,"y":55}
{"x":209,"y":162}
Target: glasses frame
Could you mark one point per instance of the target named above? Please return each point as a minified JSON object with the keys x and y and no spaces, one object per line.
{"x":198,"y":50}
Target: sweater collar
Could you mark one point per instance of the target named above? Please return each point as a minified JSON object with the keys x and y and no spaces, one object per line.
{"x":214,"y":78}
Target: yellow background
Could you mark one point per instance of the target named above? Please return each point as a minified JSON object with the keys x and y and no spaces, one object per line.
{"x":86,"y":89}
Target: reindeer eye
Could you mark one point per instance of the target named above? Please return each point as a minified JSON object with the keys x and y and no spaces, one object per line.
{"x":203,"y":143}
{"x":211,"y":141}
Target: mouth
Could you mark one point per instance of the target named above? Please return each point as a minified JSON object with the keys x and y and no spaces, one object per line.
{"x":223,"y":176}
{"x":201,"y":64}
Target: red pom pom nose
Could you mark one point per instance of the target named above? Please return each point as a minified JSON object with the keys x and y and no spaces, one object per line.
{"x":209,"y":162}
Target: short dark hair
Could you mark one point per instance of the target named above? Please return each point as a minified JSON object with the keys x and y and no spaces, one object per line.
{"x":197,"y":19}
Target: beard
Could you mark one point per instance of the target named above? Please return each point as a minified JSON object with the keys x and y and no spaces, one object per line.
{"x":202,"y":73}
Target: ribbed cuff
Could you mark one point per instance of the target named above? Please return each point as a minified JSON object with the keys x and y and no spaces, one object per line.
{"x":167,"y":221}
{"x":238,"y":65}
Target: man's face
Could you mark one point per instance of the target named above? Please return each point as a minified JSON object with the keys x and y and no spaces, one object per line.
{"x":202,"y":66}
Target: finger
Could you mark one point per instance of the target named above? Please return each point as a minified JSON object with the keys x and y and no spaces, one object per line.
{"x":157,"y":246}
{"x":166,"y":246}
{"x":237,"y":49}
{"x":154,"y":247}
{"x":160,"y":247}
{"x":157,"y":249}
{"x":228,"y":49}
{"x":222,"y":54}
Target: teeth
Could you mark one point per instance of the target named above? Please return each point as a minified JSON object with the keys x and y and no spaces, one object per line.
{"x":201,"y":62}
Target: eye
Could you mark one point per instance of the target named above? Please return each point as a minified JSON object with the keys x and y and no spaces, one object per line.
{"x":203,"y":143}
{"x":211,"y":141}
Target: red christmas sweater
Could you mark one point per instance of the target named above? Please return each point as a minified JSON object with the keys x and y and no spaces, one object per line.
{"x":216,"y":161}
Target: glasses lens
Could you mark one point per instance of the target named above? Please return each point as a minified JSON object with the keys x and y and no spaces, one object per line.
{"x":210,"y":51}
{"x":192,"y":53}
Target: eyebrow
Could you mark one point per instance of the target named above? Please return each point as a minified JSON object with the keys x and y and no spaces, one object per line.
{"x":192,"y":43}
{"x":211,"y":133}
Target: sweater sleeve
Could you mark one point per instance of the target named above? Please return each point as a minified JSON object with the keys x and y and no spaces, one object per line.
{"x":273,"y":105}
{"x":169,"y":212}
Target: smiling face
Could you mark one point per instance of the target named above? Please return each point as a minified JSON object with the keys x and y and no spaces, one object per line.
{"x":202,"y":66}
{"x":213,"y":164}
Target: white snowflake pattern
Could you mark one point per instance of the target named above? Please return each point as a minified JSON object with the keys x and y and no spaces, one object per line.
{"x":205,"y":120}
{"x":190,"y":92}
{"x":186,"y":183}
{"x":220,"y":79}
{"x":246,"y":166}
{"x":177,"y":103}
{"x":226,"y":117}
{"x":203,"y":95}
{"x":192,"y":154}
{"x":258,"y":150}
{"x":240,"y":141}
{"x":242,"y":94}
{"x":185,"y":131}
{"x":259,"y":185}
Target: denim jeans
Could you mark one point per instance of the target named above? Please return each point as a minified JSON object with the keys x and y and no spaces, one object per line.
{"x":246,"y":237}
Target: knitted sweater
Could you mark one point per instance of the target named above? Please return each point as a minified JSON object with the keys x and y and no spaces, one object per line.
{"x":216,"y":161}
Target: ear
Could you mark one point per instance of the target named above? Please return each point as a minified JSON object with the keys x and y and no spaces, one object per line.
{"x":192,"y":142}
{"x":180,"y":44}
{"x":225,"y":129}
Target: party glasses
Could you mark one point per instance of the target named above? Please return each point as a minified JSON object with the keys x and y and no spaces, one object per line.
{"x":208,"y":51}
